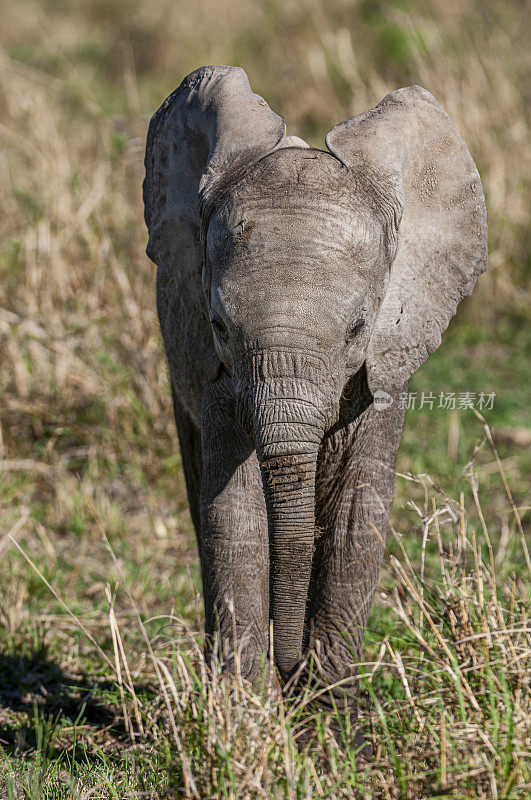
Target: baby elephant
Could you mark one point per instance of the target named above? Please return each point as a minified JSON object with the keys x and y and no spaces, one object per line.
{"x":297,"y":291}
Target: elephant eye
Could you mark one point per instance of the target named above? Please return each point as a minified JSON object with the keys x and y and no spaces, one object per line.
{"x":354,"y":330}
{"x":220,"y":329}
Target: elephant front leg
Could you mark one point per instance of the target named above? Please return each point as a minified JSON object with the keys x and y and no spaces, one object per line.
{"x":356,"y":483}
{"x":234,"y":546}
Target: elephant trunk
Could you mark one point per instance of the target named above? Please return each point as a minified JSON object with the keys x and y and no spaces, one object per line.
{"x":288,"y":425}
{"x":289,"y":487}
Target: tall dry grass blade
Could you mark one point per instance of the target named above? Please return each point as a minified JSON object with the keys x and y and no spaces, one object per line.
{"x":134,"y":696}
{"x":112,"y":623}
{"x":474,"y":487}
{"x":403,"y":677}
{"x":64,"y":605}
{"x":508,"y":492}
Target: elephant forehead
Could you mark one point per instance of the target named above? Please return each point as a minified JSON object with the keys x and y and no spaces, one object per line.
{"x":291,"y":231}
{"x":293,"y":201}
{"x":308,"y":264}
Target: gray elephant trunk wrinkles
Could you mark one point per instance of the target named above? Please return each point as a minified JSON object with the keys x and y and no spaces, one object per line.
{"x":289,"y":489}
{"x":288,"y":425}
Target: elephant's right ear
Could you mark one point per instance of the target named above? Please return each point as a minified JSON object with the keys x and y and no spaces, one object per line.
{"x":212,"y":121}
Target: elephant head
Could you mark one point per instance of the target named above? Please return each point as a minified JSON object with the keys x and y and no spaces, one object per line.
{"x":317,"y":267}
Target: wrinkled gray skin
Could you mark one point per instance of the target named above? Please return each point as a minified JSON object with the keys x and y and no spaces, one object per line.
{"x":292,"y":284}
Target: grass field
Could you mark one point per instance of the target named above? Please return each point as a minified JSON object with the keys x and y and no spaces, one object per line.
{"x":103,"y":692}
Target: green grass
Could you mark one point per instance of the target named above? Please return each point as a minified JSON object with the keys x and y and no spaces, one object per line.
{"x":85,"y":420}
{"x":444,"y":692}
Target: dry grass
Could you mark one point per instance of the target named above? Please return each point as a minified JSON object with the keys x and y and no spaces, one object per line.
{"x":85,"y":418}
{"x":446,"y":702}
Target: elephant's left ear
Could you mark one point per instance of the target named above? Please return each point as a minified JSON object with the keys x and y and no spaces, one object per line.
{"x":414,"y":155}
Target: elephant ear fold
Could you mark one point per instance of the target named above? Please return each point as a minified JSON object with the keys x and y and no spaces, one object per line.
{"x":210,"y":123}
{"x":411,"y":151}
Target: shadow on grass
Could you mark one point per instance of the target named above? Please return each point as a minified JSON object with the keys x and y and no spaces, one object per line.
{"x":36,"y":694}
